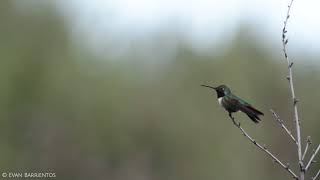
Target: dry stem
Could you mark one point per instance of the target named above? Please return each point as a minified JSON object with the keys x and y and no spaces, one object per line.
{"x":307,"y":146}
{"x":280,"y":121}
{"x":264,"y":148}
{"x":312,"y":157}
{"x":316,"y":176}
{"x":294,"y":99}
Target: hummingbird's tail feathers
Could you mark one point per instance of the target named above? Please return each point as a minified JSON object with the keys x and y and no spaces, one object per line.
{"x":254,"y":118}
{"x":252,"y":113}
{"x":255,"y":110}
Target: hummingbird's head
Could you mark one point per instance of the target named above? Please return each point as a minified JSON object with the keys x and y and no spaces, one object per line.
{"x":221,"y":90}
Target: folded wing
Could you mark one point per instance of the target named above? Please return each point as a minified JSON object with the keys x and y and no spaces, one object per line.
{"x":245,"y":107}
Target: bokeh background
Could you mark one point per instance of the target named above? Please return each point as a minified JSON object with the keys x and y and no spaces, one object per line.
{"x":90,"y":91}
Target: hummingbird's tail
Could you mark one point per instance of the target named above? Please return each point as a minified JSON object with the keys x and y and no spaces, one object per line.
{"x":252,"y":113}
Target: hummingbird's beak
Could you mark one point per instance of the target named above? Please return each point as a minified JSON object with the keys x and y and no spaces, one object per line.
{"x":209,"y":87}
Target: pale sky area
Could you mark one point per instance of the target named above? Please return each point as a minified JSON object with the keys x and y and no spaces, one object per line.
{"x":204,"y":23}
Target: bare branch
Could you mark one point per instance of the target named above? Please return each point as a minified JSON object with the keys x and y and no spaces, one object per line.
{"x":307,"y":146}
{"x":294,"y":98}
{"x":316,"y":176}
{"x":280,"y":121}
{"x":312,"y":157}
{"x":264,"y":149}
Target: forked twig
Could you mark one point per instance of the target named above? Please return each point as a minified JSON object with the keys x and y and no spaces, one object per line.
{"x":263,"y":148}
{"x":312,"y":157}
{"x":280,"y":121}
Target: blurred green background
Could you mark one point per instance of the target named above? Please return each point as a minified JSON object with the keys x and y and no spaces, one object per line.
{"x":64,"y":109}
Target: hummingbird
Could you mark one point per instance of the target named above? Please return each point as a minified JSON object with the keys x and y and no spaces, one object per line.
{"x":233,"y":103}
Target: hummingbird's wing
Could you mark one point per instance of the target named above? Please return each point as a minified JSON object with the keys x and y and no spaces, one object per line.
{"x":245,"y":107}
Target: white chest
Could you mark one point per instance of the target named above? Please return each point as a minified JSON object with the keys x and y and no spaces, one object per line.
{"x":220,"y":100}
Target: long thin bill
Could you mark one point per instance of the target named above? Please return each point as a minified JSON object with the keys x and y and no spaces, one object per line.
{"x":208,"y":86}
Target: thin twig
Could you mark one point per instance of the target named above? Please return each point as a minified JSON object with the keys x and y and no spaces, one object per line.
{"x":294,"y":99}
{"x":307,"y":146}
{"x":264,"y":149}
{"x":312,"y":157}
{"x":280,"y":121}
{"x":316,"y":176}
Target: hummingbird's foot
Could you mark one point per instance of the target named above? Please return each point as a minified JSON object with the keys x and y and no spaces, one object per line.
{"x":234,"y":121}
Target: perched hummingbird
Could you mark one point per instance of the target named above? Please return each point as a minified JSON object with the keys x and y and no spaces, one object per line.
{"x":232,"y":103}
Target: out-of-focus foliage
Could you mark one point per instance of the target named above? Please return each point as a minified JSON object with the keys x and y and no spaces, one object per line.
{"x":67,"y":111}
